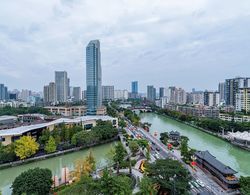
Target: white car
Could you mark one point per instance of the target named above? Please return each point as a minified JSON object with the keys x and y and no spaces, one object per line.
{"x":200,"y":183}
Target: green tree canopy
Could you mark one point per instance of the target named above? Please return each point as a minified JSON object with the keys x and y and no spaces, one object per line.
{"x":133,"y":146}
{"x":119,"y":155}
{"x":168,"y":173}
{"x":245,"y":185}
{"x":50,"y":145}
{"x":34,"y":181}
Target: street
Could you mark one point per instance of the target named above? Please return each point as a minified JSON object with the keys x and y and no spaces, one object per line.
{"x":200,"y":183}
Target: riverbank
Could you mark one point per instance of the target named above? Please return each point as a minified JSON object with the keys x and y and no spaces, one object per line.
{"x":58,"y":153}
{"x":208,"y":132}
{"x":225,"y":152}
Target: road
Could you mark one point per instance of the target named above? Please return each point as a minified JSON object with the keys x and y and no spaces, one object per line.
{"x":200,"y":183}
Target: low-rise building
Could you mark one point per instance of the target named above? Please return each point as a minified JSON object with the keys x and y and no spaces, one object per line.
{"x":87,"y":122}
{"x":235,"y":118}
{"x":174,"y":135}
{"x":67,"y":111}
{"x":224,"y":175}
{"x":5,"y":120}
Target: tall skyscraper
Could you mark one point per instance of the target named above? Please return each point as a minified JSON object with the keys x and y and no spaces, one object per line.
{"x":93,"y":77}
{"x":77,"y":94}
{"x":107,"y":92}
{"x":4,"y":95}
{"x":49,"y":94}
{"x":221,"y":89}
{"x":162,"y":92}
{"x":134,"y":89}
{"x":62,"y":82}
{"x":151,"y":93}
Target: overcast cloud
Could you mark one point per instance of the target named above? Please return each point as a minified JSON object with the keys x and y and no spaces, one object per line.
{"x":187,"y":43}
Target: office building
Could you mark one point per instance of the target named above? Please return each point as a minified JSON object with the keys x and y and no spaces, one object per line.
{"x":221,"y":89}
{"x":77,"y":94}
{"x":68,"y":87}
{"x":107,"y":92}
{"x":243,"y":100}
{"x":62,"y":82}
{"x":151,"y":93}
{"x":93,"y":77}
{"x":134,"y":89}
{"x":4,"y":95}
{"x":162,"y":92}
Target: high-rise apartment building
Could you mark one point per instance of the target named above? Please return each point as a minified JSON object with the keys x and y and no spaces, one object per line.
{"x":93,"y":77}
{"x":232,"y":87}
{"x":25,"y":94}
{"x":211,"y":98}
{"x":77,"y":94}
{"x":62,"y":82}
{"x":49,"y":94}
{"x":177,"y":95}
{"x":151,"y":93}
{"x":243,"y":100}
{"x":107,"y":92}
{"x":121,"y":94}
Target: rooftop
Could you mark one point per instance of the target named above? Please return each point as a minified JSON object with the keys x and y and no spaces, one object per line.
{"x":205,"y":155}
{"x":5,"y":117}
{"x":23,"y":129}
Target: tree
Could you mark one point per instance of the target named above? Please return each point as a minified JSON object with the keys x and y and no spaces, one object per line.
{"x":164,"y":137}
{"x":142,"y":143}
{"x":121,"y":185}
{"x":122,"y":123}
{"x":120,"y":153}
{"x":134,"y":147}
{"x":83,"y":167}
{"x":43,"y":139}
{"x":245,"y":185}
{"x":184,"y":148}
{"x":7,"y":153}
{"x":168,"y":173}
{"x":25,"y":147}
{"x":34,"y":181}
{"x":147,"y":186}
{"x":50,"y":145}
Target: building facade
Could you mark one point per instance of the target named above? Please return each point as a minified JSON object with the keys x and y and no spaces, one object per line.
{"x":93,"y":77}
{"x":3,"y":92}
{"x":121,"y":94}
{"x":77,"y":94}
{"x":107,"y":92}
{"x":243,"y":100}
{"x":62,"y":82}
{"x":221,"y":89}
{"x":151,"y":93}
{"x":134,"y":89}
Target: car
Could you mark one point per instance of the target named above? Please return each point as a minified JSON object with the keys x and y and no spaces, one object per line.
{"x":158,"y":149}
{"x":195,"y":184}
{"x":200,"y":183}
{"x":153,"y":143}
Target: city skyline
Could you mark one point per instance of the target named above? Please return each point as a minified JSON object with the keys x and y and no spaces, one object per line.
{"x":139,"y":40}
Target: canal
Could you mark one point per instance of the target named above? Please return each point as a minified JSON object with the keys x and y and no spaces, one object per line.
{"x":236,"y":158}
{"x":55,"y":164}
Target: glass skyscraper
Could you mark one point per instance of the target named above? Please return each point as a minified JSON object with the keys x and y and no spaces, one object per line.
{"x":135,"y":87}
{"x":93,"y":77}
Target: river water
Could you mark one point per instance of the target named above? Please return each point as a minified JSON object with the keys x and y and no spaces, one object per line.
{"x":236,"y":158}
{"x":55,"y":164}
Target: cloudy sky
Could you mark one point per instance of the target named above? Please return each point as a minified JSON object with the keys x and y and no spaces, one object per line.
{"x":187,"y":43}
